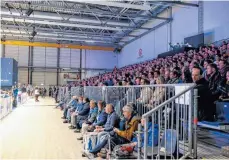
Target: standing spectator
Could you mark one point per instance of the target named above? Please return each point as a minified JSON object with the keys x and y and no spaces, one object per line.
{"x":36,"y":93}
{"x":50,"y":91}
{"x":205,"y":101}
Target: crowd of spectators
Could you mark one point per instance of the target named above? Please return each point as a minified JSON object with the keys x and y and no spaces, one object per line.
{"x":206,"y":66}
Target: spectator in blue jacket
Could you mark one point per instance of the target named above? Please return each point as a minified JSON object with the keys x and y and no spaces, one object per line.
{"x":99,"y":121}
{"x":74,"y":108}
{"x":84,"y":111}
{"x":90,"y":118}
{"x":73,"y":102}
{"x":150,"y":134}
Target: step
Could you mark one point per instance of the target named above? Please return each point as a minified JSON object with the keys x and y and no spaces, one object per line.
{"x":214,"y":125}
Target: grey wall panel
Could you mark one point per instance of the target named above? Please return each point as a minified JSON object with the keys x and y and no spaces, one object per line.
{"x":65,"y":57}
{"x":50,"y":78}
{"x":23,"y":76}
{"x":23,"y":57}
{"x":51,"y":57}
{"x":11,"y":51}
{"x":39,"y":56}
{"x":38,"y":78}
{"x":75,"y":58}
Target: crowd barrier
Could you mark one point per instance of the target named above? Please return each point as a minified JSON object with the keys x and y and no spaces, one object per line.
{"x":171,"y":109}
{"x":144,"y":97}
{"x":6,"y":106}
{"x":175,"y":122}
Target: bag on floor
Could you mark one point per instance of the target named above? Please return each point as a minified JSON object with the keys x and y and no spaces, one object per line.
{"x":89,"y":141}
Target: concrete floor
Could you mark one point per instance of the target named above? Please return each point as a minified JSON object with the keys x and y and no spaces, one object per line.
{"x":35,"y":131}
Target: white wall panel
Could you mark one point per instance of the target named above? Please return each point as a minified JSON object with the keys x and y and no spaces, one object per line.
{"x":184,"y":24}
{"x":65,"y":57}
{"x":23,"y":57}
{"x":216,"y":18}
{"x":11,"y":51}
{"x":75,"y":58}
{"x":39,"y":56}
{"x":51,"y":57}
{"x":23,"y":76}
{"x":100,"y":59}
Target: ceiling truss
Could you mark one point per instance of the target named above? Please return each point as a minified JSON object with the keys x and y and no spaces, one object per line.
{"x":103,"y":23}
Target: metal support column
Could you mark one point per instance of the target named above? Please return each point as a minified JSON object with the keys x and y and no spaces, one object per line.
{"x":58,"y":65}
{"x":3,"y":54}
{"x":31,"y":66}
{"x":80,"y":64}
{"x":169,"y":29}
{"x":29,"y":60}
{"x":201,"y":17}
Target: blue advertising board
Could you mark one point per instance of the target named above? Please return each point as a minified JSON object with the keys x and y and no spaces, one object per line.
{"x":9,"y":72}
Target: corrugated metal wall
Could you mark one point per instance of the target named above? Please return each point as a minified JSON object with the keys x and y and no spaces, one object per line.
{"x":45,"y":62}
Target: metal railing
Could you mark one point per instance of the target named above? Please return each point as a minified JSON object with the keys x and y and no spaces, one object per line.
{"x":5,"y":106}
{"x":145,"y":97}
{"x":175,"y":122}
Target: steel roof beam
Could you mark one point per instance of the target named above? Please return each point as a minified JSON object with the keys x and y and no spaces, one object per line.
{"x":58,"y":31}
{"x":147,"y":32}
{"x":50,"y":36}
{"x":114,"y":4}
{"x":52,"y":20}
{"x":180,"y":3}
{"x":98,"y":13}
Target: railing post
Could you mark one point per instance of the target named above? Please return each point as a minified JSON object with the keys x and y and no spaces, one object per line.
{"x":139,"y":141}
{"x":195,"y":123}
{"x":190,"y":121}
{"x":145,"y":137}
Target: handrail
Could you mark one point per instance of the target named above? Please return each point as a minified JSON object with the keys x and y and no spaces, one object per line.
{"x":138,"y":86}
{"x":168,"y":101}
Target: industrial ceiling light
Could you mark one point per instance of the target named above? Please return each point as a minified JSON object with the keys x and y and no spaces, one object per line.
{"x":29,"y":11}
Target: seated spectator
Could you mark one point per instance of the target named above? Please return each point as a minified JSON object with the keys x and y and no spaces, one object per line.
{"x":75,"y":108}
{"x":146,"y":92}
{"x":206,"y":106}
{"x":214,"y":79}
{"x":126,"y":149}
{"x":100,"y":120}
{"x":224,"y":88}
{"x":118,"y":136}
{"x":186,"y":75}
{"x":206,"y":63}
{"x":78,"y":112}
{"x":112,"y":121}
{"x":223,"y":68}
{"x":82,"y":117}
{"x":167,"y":76}
{"x":158,"y":94}
{"x":174,"y":78}
{"x":72,"y":103}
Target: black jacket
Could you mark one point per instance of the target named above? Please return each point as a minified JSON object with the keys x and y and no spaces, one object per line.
{"x":206,"y":106}
{"x":214,"y":81}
